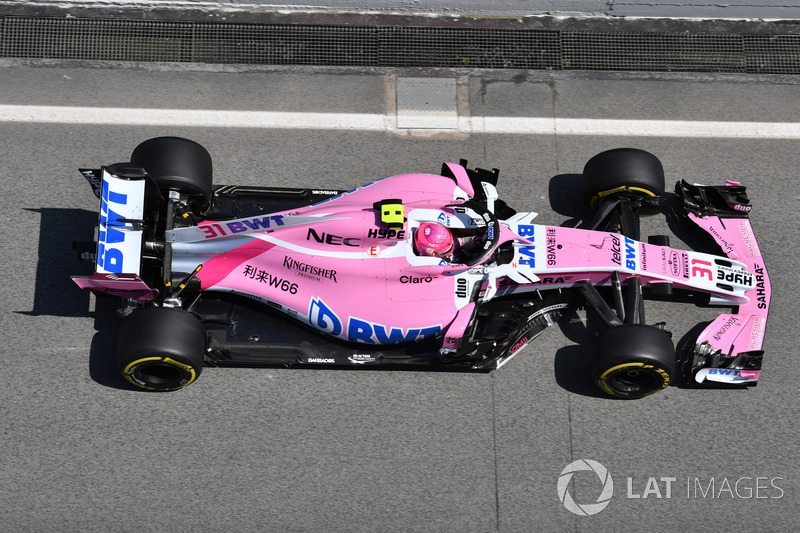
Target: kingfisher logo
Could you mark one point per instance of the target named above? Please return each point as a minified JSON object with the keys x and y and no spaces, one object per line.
{"x":605,"y":493}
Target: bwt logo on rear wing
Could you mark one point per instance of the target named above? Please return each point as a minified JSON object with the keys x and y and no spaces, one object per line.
{"x":119,"y":239}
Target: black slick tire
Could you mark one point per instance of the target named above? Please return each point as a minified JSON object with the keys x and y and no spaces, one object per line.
{"x":177,"y":164}
{"x":633,"y":360}
{"x":622,"y":171}
{"x":161,"y":349}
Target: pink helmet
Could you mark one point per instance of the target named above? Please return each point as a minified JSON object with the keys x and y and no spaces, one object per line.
{"x":433,"y":239}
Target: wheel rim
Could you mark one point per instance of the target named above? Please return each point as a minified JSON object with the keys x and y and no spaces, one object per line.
{"x":640,"y":191}
{"x":633,"y":380}
{"x":160,"y":375}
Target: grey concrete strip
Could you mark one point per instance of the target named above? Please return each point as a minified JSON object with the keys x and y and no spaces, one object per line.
{"x":427,"y":103}
{"x":735,"y":9}
{"x":740,"y":16}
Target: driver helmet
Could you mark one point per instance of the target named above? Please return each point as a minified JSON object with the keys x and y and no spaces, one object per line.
{"x":433,"y":239}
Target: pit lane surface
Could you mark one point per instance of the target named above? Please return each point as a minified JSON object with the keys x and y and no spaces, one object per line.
{"x":309,"y":450}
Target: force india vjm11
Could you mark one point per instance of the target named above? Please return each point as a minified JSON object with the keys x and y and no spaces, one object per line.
{"x":415,"y":271}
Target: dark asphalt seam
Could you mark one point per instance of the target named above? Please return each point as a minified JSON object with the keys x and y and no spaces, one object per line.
{"x":496,"y":470}
{"x":554,"y":106}
{"x":571,"y":449}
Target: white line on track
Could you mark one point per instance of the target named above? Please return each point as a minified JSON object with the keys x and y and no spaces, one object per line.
{"x":378,"y":122}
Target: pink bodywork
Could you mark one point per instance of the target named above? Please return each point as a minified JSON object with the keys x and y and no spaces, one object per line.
{"x":121,"y":285}
{"x":345,"y":273}
{"x":743,"y":331}
{"x":337,"y":266}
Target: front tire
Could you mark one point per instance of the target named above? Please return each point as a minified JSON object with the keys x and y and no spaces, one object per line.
{"x":622,"y":171}
{"x":161,"y":349}
{"x":633,"y":360}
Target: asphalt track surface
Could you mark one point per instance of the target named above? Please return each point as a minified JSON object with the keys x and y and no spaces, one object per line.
{"x":315,"y":450}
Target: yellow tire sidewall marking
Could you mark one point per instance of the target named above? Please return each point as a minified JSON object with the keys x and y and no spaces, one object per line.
{"x":601,"y":381}
{"x":622,"y":188}
{"x":168,"y":360}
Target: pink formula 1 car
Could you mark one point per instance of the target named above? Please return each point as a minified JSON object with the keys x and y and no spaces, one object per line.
{"x":417,"y":271}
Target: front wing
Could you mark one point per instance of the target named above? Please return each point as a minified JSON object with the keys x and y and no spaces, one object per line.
{"x":729,"y":349}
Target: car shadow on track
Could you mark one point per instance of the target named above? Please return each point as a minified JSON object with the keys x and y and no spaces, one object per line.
{"x":572,"y":364}
{"x":102,"y":360}
{"x":565,"y":199}
{"x":55,"y":294}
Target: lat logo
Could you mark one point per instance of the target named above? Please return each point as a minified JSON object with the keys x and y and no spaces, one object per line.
{"x":585,"y":509}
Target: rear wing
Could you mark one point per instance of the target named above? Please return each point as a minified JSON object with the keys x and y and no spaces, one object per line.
{"x":118,"y":254}
{"x":729,"y":350}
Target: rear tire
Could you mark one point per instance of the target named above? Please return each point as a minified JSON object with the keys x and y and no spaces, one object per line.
{"x":622,"y":171}
{"x":178,"y":164}
{"x":161,"y":349}
{"x":633,"y":360}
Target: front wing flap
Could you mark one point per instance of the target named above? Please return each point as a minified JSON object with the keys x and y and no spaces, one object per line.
{"x":729,"y":350}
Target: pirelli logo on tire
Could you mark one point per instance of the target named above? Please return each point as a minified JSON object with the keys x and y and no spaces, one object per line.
{"x":635,"y":373}
{"x":166,"y":372}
